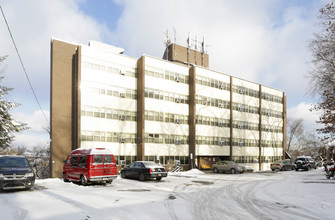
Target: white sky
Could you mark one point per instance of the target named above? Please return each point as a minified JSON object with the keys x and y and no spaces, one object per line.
{"x":262,"y":41}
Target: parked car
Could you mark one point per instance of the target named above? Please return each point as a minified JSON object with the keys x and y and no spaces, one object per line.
{"x":282,"y":165}
{"x":227,"y":167}
{"x":16,"y":173}
{"x":304,"y":163}
{"x":90,"y":165}
{"x":143,"y":170}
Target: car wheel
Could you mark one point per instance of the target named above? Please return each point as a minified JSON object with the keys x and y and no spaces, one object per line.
{"x":83,"y":180}
{"x":296,"y":169}
{"x":64,"y":178}
{"x":123,"y":174}
{"x":158,"y":178}
{"x":273,"y":169}
{"x":282,"y":169}
{"x":232,"y":171}
{"x":216,"y":170}
{"x":141,"y":177}
{"x":109,"y":181}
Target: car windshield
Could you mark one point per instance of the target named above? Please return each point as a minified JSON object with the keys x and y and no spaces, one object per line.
{"x":150,"y":164}
{"x":13,"y":162}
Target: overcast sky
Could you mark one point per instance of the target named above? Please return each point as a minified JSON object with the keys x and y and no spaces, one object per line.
{"x":265,"y":41}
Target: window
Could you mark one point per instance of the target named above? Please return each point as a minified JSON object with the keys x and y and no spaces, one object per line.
{"x":74,"y":161}
{"x":82,"y":162}
{"x":68,"y":160}
{"x":107,"y":159}
{"x":97,"y":159}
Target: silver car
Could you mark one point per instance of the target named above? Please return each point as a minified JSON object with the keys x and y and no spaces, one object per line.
{"x":227,"y":167}
{"x":282,"y":165}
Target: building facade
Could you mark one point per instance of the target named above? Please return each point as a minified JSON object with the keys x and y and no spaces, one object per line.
{"x":154,"y":109}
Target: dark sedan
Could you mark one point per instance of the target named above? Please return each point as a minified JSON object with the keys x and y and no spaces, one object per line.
{"x":143,"y":170}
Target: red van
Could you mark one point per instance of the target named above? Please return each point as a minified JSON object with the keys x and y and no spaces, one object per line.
{"x":90,"y":165}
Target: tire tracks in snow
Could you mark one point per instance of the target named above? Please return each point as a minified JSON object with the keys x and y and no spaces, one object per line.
{"x":17,"y":213}
{"x":236,"y":197}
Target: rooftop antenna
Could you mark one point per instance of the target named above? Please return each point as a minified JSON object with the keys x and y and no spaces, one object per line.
{"x":167,"y":43}
{"x":188,"y":48}
{"x":203,"y":52}
{"x":175,"y":41}
{"x":196,"y":48}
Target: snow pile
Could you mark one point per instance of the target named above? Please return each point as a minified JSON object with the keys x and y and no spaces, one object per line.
{"x":192,"y":172}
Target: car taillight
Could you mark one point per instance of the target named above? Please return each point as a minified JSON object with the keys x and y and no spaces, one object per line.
{"x":165,"y":169}
{"x":278,"y":164}
{"x":150,"y":170}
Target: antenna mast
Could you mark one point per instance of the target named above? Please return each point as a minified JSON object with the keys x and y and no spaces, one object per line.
{"x":167,"y":43}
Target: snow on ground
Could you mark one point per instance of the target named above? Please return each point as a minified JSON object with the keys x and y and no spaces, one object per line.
{"x":185,"y":195}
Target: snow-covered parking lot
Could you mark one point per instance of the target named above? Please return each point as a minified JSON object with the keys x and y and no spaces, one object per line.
{"x":185,"y":195}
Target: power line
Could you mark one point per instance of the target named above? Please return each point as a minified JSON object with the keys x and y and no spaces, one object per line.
{"x":24,"y":69}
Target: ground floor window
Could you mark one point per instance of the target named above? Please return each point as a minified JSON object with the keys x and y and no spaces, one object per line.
{"x":255,"y":159}
{"x":166,"y":160}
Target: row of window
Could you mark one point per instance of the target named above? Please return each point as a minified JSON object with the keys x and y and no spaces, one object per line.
{"x":208,"y":101}
{"x":173,"y":139}
{"x":108,"y":113}
{"x":272,"y":98}
{"x":113,"y":91}
{"x":273,"y":129}
{"x":101,"y":136}
{"x":167,"y":96}
{"x":120,"y":70}
{"x":255,"y":110}
{"x":273,"y":144}
{"x":211,"y":121}
{"x":245,"y":91}
{"x":164,"y":160}
{"x":178,"y":77}
{"x":179,"y":98}
{"x":166,"y":117}
{"x":245,"y":108}
{"x":165,"y":74}
{"x":255,"y":159}
{"x":201,"y":80}
{"x":205,"y":140}
{"x":255,"y":143}
{"x":165,"y":139}
{"x":272,"y":113}
{"x":124,"y":115}
{"x":205,"y":81}
{"x":246,"y":125}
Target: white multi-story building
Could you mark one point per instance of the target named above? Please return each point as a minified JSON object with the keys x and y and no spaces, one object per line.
{"x":170,"y":110}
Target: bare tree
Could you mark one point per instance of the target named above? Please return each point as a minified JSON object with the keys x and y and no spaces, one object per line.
{"x":322,"y":72}
{"x":41,"y":161}
{"x":295,"y":129}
